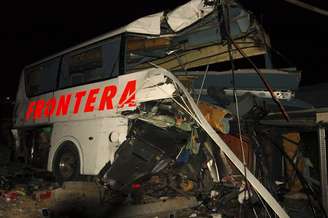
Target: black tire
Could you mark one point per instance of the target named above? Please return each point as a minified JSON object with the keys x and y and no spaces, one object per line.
{"x":66,"y":165}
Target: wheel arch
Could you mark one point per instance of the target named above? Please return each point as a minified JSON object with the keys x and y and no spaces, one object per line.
{"x":59,"y":145}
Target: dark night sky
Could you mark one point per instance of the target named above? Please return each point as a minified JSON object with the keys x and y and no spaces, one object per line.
{"x":34,"y":29}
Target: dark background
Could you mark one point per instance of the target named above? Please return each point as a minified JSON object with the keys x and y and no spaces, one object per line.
{"x":31,"y":30}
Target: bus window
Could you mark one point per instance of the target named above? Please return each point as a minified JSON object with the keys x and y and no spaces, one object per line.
{"x":111,"y":51}
{"x":41,"y":78}
{"x":86,"y":66}
{"x":141,"y":50}
{"x":91,"y":64}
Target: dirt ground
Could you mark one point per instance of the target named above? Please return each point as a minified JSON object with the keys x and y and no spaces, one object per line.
{"x":76,"y":199}
{"x":82,"y":200}
{"x":26,"y":193}
{"x":23,"y":207}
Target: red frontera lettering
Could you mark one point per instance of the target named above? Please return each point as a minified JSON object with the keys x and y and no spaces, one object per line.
{"x":129,"y":95}
{"x":30,"y":109}
{"x":78,"y":98}
{"x":88,"y":99}
{"x":50,"y":107}
{"x":107,"y":98}
{"x":63,"y":104}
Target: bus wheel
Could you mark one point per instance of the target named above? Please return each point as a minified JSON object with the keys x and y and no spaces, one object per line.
{"x":67,"y":164}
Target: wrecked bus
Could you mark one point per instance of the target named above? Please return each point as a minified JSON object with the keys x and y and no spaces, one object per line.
{"x":75,"y":98}
{"x":129,"y":107}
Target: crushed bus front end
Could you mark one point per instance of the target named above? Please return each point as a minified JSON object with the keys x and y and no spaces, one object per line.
{"x":174,"y":147}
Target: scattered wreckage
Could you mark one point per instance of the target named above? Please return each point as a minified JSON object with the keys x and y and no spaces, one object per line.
{"x":171,"y":139}
{"x":154,"y":125}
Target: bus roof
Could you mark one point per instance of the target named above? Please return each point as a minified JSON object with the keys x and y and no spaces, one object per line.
{"x":178,"y":19}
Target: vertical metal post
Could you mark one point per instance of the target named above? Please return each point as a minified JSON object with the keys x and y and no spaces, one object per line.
{"x":323,"y":167}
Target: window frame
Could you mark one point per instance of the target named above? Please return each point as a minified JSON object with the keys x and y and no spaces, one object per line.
{"x":120,"y":62}
{"x":27,"y":89}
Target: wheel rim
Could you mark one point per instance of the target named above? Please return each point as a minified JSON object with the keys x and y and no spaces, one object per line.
{"x":67,"y":165}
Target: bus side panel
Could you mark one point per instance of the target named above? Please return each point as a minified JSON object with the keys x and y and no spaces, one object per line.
{"x":112,"y":133}
{"x":91,"y":93}
{"x":31,"y":111}
{"x":91,"y":101}
{"x":37,"y":116}
{"x":92,"y":140}
{"x":94,"y":94}
{"x":62,"y":132}
{"x":23,"y":104}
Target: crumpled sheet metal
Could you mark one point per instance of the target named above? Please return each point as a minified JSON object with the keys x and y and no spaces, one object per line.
{"x":215,"y":116}
{"x":151,"y":86}
{"x":188,"y":14}
{"x":256,"y":184}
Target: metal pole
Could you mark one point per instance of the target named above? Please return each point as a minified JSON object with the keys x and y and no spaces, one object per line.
{"x":323,"y":167}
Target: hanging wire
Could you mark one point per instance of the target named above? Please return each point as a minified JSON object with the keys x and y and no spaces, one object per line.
{"x":226,"y":16}
{"x":185,"y":108}
{"x":266,"y":84}
{"x":230,"y":43}
{"x":264,"y":205}
{"x":255,"y":213}
{"x":308,"y":7}
{"x":201,"y":87}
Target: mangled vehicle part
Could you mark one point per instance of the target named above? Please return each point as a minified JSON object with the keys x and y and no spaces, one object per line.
{"x":161,"y":152}
{"x":249,"y":88}
{"x":147,"y":150}
{"x":192,"y":35}
{"x":251,"y":178}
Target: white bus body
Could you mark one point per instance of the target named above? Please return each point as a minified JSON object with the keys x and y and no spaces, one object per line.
{"x":96,"y":133}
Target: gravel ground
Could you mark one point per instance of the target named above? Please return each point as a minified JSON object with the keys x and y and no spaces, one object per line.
{"x":23,"y":207}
